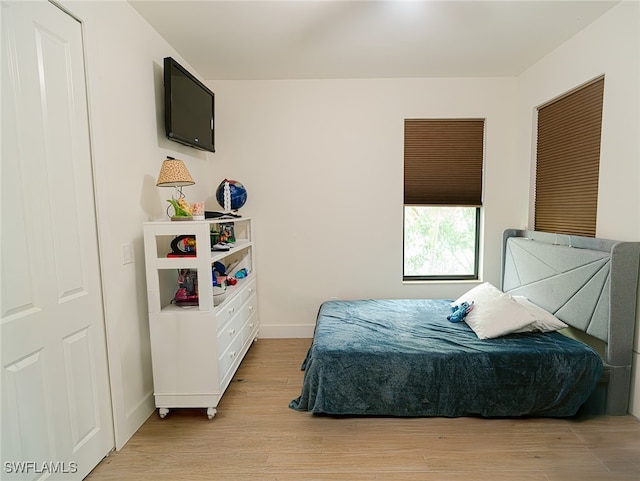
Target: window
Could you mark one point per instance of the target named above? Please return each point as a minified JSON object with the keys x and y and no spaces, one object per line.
{"x":443,"y":161}
{"x":441,"y":242}
{"x":568,"y":161}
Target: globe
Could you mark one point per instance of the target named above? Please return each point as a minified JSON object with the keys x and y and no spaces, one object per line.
{"x":237,"y":195}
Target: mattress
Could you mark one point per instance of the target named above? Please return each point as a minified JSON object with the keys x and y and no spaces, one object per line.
{"x":404,"y":358}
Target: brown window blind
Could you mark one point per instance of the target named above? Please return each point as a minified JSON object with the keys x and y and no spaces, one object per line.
{"x":443,"y":161}
{"x":568,"y":162}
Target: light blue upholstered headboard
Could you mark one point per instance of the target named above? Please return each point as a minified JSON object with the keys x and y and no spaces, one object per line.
{"x":591,"y":284}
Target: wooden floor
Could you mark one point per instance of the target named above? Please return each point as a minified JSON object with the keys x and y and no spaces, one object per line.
{"x":255,"y":436}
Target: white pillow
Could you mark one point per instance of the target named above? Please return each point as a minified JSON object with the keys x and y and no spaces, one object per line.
{"x":545,"y":321}
{"x":495,"y":313}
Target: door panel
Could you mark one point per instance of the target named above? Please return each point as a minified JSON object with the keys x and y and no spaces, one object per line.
{"x":25,"y":390}
{"x":81,"y":386}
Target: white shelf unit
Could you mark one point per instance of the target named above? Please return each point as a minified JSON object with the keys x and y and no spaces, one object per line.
{"x":196,"y":350}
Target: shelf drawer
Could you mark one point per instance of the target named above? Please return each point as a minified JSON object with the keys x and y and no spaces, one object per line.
{"x":250,"y":327}
{"x":230,"y":309}
{"x":248,"y":291}
{"x":229,"y":356}
{"x":230,"y":331}
{"x":226,"y":312}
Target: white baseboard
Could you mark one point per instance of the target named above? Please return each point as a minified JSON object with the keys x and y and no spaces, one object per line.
{"x":280,"y":331}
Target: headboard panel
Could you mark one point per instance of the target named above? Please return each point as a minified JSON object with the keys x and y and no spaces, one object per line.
{"x":590,"y":284}
{"x":571,"y":283}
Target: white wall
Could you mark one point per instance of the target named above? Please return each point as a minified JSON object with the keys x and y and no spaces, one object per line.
{"x":610,"y":46}
{"x":124,"y":62}
{"x":323,"y":164}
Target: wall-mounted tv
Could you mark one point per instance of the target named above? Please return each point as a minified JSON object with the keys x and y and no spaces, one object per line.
{"x":188,"y":108}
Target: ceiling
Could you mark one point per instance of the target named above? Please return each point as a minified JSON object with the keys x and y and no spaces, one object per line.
{"x":319,"y":39}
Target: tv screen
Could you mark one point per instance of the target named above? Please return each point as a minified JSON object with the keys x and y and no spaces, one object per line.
{"x":188,"y":108}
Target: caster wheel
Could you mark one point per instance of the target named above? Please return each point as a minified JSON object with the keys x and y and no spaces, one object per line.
{"x":211,"y":412}
{"x":162,"y":412}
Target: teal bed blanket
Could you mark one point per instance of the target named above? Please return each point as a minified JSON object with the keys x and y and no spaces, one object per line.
{"x":404,"y":358}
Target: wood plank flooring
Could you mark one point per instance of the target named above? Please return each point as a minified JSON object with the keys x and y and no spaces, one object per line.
{"x":255,"y":436}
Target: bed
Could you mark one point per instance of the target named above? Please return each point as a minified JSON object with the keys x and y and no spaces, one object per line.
{"x":403,"y":357}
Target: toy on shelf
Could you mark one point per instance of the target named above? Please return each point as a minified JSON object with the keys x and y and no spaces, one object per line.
{"x":187,"y":293}
{"x":183,"y":246}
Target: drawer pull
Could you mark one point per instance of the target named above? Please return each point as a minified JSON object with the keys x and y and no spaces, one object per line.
{"x":251,"y":325}
{"x":250,"y":308}
{"x":232,"y":332}
{"x":250,"y":290}
{"x":232,"y":354}
{"x":232,"y":310}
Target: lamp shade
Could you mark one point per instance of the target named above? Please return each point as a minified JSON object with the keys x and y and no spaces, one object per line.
{"x":174,"y":174}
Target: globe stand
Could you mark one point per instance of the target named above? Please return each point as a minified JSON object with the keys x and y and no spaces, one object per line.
{"x":209,"y":214}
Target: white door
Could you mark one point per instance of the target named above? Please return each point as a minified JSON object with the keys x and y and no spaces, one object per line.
{"x":56,"y":408}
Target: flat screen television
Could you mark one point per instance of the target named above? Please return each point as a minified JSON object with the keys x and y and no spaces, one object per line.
{"x":188,"y":108}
